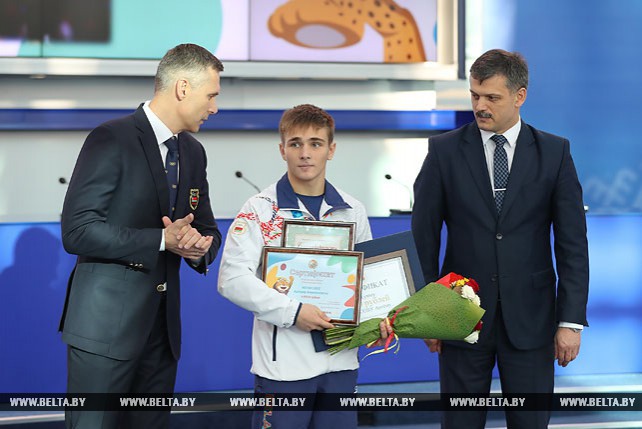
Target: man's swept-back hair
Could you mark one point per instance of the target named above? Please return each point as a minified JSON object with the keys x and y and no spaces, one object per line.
{"x":495,"y":62}
{"x":187,"y":59}
{"x":306,"y":115}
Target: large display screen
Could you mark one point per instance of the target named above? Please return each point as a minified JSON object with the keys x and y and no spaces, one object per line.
{"x":357,"y":31}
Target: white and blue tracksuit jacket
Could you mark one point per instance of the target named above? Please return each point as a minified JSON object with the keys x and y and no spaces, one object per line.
{"x":280,"y":350}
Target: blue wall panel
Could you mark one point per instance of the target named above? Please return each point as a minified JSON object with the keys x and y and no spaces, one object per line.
{"x":585,"y":61}
{"x":239,"y":120}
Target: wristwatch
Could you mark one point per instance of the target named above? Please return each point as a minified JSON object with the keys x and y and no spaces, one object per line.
{"x":576,"y":330}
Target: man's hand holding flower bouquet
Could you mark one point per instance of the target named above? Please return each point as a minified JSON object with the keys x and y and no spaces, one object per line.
{"x":448,"y":309}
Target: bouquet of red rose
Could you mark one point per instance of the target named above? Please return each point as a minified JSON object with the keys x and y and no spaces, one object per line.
{"x":452,"y":312}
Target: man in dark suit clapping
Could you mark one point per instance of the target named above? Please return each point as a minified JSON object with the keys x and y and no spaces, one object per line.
{"x":137,"y":203}
{"x":500,"y":185}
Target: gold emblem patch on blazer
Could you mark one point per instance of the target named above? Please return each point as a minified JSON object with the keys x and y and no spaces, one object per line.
{"x":193,"y":198}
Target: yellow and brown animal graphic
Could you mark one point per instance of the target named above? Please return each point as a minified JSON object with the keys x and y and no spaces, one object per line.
{"x":324,"y":24}
{"x":283,"y":285}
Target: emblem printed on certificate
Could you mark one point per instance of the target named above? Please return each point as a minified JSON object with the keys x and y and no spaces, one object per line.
{"x":387,"y":281}
{"x":329,"y":279}
{"x":318,"y":234}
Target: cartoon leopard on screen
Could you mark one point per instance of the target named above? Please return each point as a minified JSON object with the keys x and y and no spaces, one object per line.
{"x":323,"y":24}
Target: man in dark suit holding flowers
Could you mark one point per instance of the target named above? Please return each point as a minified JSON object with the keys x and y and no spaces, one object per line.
{"x":500,"y":185}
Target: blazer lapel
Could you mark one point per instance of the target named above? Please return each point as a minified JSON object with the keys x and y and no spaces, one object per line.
{"x":154,"y":160}
{"x":473,"y":149}
{"x":522,"y":160}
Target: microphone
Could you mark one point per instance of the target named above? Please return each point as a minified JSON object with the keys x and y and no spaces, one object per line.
{"x":401,"y":211}
{"x":240,"y":176}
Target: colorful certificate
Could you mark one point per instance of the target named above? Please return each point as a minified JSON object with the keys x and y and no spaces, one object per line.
{"x":318,"y":234}
{"x":329,"y":279}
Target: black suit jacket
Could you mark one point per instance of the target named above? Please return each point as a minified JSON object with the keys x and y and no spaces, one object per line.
{"x":509,"y":256}
{"x":111,"y":219}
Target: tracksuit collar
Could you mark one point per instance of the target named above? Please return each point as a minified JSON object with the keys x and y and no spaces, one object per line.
{"x":287,"y":199}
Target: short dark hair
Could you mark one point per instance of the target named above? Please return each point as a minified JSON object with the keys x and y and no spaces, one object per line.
{"x":512,"y":65}
{"x":186,"y":58}
{"x":306,"y":115}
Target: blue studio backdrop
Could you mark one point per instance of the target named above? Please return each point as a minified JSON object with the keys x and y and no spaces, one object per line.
{"x":584,"y":60}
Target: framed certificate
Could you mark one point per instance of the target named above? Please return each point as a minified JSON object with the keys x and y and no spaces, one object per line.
{"x":318,"y":234}
{"x":391,"y":273}
{"x":329,"y":279}
{"x":387,"y":281}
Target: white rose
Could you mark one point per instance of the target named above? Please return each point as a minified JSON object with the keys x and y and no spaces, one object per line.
{"x":469,"y":293}
{"x":472,"y":338}
{"x":477,"y":301}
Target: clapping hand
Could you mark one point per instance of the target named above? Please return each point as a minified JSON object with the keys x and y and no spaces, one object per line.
{"x":184,"y":240}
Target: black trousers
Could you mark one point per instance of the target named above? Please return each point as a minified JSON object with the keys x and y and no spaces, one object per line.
{"x":469,"y":370}
{"x":154,"y":371}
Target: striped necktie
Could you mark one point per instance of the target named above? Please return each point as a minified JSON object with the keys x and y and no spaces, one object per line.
{"x":500,"y":170}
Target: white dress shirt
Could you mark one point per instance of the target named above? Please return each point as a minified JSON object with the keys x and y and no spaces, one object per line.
{"x":162,"y":133}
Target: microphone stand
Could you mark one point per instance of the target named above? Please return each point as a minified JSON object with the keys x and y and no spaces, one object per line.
{"x":400,"y":212}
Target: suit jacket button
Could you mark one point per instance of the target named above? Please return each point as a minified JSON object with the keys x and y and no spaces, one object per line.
{"x":161,"y":287}
{"x":499,"y":236}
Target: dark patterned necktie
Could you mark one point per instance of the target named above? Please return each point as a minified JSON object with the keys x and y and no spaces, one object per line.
{"x":171,"y":168}
{"x":500,"y":170}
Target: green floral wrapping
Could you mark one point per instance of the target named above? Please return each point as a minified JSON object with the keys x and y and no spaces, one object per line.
{"x":435,"y":311}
